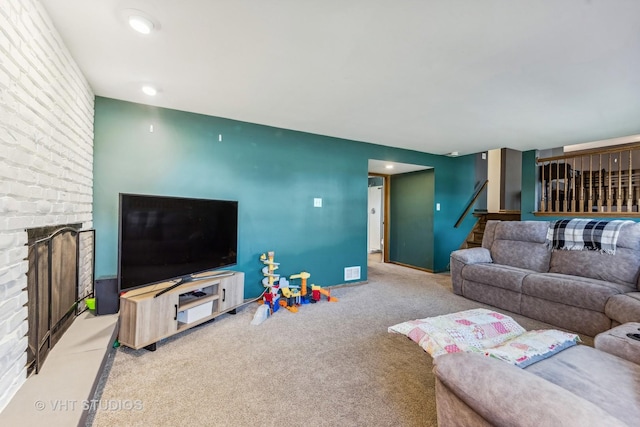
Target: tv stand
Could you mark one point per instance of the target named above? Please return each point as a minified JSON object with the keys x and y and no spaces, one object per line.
{"x":147,"y":316}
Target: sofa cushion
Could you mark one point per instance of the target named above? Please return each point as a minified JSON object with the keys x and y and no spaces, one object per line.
{"x":629,"y":236}
{"x":623,"y":267}
{"x":575,"y":319}
{"x":489,"y":233}
{"x":620,"y":268}
{"x":608,"y":381}
{"x":505,"y":395}
{"x":501,"y":276}
{"x":492,"y":295}
{"x":527,"y":255}
{"x":521,"y":244}
{"x":576,"y":291}
{"x":522,"y":231}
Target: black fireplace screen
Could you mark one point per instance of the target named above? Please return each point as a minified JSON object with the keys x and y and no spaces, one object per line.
{"x":59,"y":280}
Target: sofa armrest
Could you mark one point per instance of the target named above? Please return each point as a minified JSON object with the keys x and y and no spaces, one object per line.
{"x":615,"y":341}
{"x":458,"y":259}
{"x":623,"y":308}
{"x":475,"y":387}
{"x":472,"y":255}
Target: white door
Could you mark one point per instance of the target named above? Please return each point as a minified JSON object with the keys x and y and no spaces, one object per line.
{"x":375,"y":219}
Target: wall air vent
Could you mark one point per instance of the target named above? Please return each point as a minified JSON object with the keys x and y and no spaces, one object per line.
{"x":351,"y":273}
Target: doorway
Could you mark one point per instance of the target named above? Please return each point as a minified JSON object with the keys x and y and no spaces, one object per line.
{"x":399,"y":224}
{"x":375,"y":219}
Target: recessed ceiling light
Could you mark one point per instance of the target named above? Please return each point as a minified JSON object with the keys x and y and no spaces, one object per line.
{"x":389,"y":166}
{"x":149,"y":90}
{"x":140,"y":24}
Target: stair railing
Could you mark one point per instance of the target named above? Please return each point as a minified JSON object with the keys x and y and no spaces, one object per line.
{"x":593,"y":182}
{"x":471,"y":203}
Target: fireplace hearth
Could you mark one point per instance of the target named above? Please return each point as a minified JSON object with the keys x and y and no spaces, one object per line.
{"x":59,"y":280}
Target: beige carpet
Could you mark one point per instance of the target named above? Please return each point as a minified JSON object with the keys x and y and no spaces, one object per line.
{"x":330,"y":364}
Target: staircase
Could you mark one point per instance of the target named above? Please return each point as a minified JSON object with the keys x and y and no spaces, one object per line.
{"x":474,"y":239}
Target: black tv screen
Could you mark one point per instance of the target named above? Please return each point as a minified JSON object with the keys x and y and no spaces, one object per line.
{"x":164,"y":238}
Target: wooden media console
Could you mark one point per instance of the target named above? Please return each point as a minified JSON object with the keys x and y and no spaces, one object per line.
{"x":158,"y":311}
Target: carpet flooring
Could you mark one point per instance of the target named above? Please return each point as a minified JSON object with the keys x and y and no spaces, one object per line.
{"x":330,"y":364}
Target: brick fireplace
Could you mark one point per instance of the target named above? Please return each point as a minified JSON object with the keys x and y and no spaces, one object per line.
{"x":46,"y":162}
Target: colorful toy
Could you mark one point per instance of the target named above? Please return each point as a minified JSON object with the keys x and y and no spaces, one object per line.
{"x":291,"y":299}
{"x":280,"y":292}
{"x":317,"y":291}
{"x":303,"y":279}
{"x":269,"y":269}
{"x":271,"y":294}
{"x":261,"y":315}
{"x":315,"y":297}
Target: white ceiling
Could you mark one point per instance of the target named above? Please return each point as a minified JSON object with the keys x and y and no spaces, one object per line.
{"x":383,"y":167}
{"x":429,"y":75}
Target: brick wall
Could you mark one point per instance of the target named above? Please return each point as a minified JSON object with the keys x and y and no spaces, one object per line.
{"x":46,"y":160}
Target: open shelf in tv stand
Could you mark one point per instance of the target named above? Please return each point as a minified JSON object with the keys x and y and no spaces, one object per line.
{"x":158,"y":311}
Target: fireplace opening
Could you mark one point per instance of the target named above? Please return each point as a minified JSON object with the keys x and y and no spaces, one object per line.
{"x":59,"y":280}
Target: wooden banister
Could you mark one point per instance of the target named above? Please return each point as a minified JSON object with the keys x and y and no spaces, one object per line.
{"x":597,"y":182}
{"x":471,"y":203}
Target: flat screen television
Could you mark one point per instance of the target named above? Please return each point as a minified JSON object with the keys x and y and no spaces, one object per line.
{"x":165,"y":238}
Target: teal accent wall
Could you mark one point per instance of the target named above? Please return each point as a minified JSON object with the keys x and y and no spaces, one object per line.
{"x":455,"y":183}
{"x":274,"y":174}
{"x":411,"y":215}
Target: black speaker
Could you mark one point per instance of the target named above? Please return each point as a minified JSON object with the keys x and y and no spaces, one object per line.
{"x":106,"y":293}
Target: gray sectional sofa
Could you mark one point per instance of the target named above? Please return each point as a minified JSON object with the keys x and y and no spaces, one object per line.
{"x":583,"y":291}
{"x":580,"y":386}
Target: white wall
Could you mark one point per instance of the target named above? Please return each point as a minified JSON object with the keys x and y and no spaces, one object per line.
{"x":46,"y":160}
{"x":374,"y":224}
{"x":493,"y":175}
